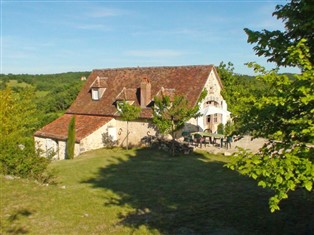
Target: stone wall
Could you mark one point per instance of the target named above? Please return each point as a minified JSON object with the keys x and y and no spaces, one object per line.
{"x":137,"y":130}
{"x":47,"y":146}
{"x":94,"y":140}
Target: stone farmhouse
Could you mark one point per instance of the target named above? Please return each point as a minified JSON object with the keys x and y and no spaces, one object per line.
{"x":95,"y":107}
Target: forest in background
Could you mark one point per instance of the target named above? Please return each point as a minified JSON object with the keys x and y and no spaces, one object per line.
{"x":53,"y":93}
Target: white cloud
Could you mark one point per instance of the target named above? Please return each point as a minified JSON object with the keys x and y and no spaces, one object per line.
{"x":155,"y":53}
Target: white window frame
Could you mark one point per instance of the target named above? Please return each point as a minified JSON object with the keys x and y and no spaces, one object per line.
{"x":95,"y":94}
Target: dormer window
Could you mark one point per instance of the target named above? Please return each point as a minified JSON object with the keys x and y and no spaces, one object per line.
{"x":119,"y":103}
{"x":98,"y":88}
{"x":95,"y":93}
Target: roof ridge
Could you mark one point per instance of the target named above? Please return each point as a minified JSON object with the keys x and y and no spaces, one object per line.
{"x":154,"y":67}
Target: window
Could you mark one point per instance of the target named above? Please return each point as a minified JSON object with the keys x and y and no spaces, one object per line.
{"x":215,"y":118}
{"x":208,"y":119}
{"x":119,"y":103}
{"x":95,"y":94}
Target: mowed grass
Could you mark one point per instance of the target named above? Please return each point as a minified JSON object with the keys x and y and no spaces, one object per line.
{"x":144,"y":191}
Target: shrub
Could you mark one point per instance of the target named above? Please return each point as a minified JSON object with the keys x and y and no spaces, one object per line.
{"x":108,"y":141}
{"x":71,"y":139}
{"x":17,"y":150}
{"x":221,"y":129}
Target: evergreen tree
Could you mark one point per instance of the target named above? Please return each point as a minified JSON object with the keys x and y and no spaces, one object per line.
{"x":71,"y":139}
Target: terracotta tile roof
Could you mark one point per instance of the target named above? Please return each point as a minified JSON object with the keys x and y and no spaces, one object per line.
{"x":84,"y":126}
{"x":100,"y":82}
{"x":129,"y":94}
{"x":166,"y":92}
{"x":184,"y":80}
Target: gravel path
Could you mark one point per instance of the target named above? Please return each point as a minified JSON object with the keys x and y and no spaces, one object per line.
{"x":246,"y":142}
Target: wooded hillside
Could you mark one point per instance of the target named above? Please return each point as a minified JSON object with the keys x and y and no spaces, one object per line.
{"x":54,"y":92}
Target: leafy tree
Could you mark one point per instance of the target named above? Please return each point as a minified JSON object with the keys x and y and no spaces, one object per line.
{"x":229,"y":128}
{"x":285,"y":114}
{"x":239,"y":91}
{"x":226,"y":73}
{"x":170,"y":117}
{"x":71,"y":139}
{"x":298,"y":17}
{"x":128,"y":113}
{"x":59,"y":98}
{"x":221,"y":129}
{"x":18,"y":122}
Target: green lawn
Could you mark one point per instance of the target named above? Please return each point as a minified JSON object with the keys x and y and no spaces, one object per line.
{"x":145,"y":191}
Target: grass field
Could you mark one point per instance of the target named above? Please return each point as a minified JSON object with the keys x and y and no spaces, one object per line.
{"x":15,"y":83}
{"x":144,"y":191}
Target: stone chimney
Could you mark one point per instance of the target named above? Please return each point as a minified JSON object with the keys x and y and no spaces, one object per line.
{"x":146,"y":92}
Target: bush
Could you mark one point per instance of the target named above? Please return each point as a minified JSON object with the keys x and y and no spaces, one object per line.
{"x":221,"y":129}
{"x":18,"y":121}
{"x":23,"y":161}
{"x":108,"y":141}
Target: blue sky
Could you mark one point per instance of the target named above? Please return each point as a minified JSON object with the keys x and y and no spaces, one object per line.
{"x":40,"y":37}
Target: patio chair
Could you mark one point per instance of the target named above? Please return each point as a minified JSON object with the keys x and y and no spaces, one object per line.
{"x":198,"y":140}
{"x":187,"y":137}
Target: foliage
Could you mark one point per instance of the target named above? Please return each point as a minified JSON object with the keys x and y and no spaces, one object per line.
{"x":128,"y":113}
{"x":60,"y":97}
{"x":298,"y":18}
{"x":170,"y":116}
{"x":238,"y":89}
{"x":44,"y":82}
{"x":221,"y":129}
{"x":54,"y":92}
{"x":226,"y":73}
{"x":57,"y":100}
{"x":18,"y":122}
{"x":108,"y":140}
{"x":229,"y":128}
{"x":281,"y":167}
{"x":70,"y":146}
{"x":285,"y":114}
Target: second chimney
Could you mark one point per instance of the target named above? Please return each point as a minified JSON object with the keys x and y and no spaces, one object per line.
{"x":146,"y":93}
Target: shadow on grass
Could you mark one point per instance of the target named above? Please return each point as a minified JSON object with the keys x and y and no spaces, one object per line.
{"x":192,"y":195}
{"x":12,"y":224}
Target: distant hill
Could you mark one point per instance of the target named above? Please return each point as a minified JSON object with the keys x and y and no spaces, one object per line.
{"x":42,"y":82}
{"x":54,"y":92}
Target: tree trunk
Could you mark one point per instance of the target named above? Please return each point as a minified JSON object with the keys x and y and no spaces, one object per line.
{"x":127,"y":135}
{"x":172,"y":135}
